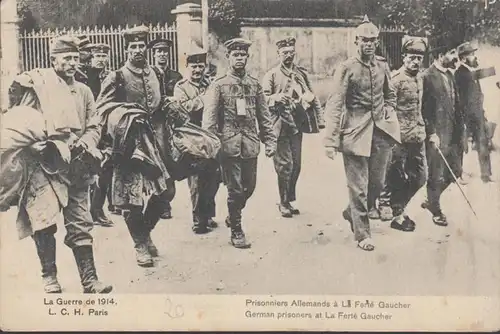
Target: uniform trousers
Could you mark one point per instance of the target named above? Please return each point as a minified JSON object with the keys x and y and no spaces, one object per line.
{"x":365,"y":180}
{"x":240,"y":177}
{"x":477,"y":128}
{"x":141,"y":222}
{"x":406,"y":174}
{"x":203,"y":188}
{"x":287,"y":163}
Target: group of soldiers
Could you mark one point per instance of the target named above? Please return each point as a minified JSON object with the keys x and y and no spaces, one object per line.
{"x":386,"y":125}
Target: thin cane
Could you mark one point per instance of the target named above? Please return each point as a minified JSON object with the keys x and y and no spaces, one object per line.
{"x":456,"y":180}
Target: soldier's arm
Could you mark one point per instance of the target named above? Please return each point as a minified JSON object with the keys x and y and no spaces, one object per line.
{"x":268,"y":88}
{"x":318,"y":110}
{"x":107,"y":94}
{"x":93,"y":124}
{"x":190,"y":104}
{"x":210,"y":114}
{"x":390,"y":97}
{"x":264,"y":120}
{"x":428,"y":107}
{"x":334,"y":107}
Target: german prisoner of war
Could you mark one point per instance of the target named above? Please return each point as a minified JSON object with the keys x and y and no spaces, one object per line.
{"x":77,"y":134}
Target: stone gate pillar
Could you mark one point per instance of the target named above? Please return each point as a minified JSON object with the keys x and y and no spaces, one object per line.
{"x":10,"y":59}
{"x":189,"y":29}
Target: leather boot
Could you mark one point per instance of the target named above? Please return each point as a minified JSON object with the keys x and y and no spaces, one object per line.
{"x":46,"y":249}
{"x":96,"y":204}
{"x":84,"y":256}
{"x":153,"y":251}
{"x":238,"y":238}
{"x":142,"y":254}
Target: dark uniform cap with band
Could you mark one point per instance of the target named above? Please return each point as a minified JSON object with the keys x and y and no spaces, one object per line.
{"x":100,"y":48}
{"x":414,"y":45}
{"x":466,"y":48}
{"x":196,"y":55}
{"x":367,"y":29}
{"x":289,"y":41}
{"x":237,"y":44}
{"x":84,"y":43}
{"x":136,"y":34}
{"x":160,"y":44}
{"x":64,"y":44}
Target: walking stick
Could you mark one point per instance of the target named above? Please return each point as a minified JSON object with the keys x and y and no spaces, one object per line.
{"x":456,"y":181}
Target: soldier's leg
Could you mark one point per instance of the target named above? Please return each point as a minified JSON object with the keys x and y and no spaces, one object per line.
{"x":436,"y":183}
{"x":167,"y":197}
{"x":139,"y":233}
{"x":483,"y":152}
{"x":283,"y":166}
{"x":78,"y":223}
{"x":415,"y":167}
{"x":392,"y":179}
{"x":296,"y":150}
{"x":356,"y":170}
{"x":249,"y":178}
{"x":45,"y":243}
{"x":209,"y":185}
{"x":98,"y":196}
{"x":381,"y":152}
{"x":194,"y":190}
{"x":151,"y":218}
{"x":396,"y":180}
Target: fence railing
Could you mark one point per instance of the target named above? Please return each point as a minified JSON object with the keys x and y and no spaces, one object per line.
{"x":35,"y":44}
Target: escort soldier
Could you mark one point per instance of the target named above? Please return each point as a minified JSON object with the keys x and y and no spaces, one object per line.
{"x":203,"y":186}
{"x":235,"y":104}
{"x":99,"y":190}
{"x":444,"y":127}
{"x":406,"y":173}
{"x":471,"y":101}
{"x":50,"y":196}
{"x":161,"y":51}
{"x":366,"y":131}
{"x":168,"y":78}
{"x":288,"y":90}
{"x":136,"y":82}
{"x":84,"y":47}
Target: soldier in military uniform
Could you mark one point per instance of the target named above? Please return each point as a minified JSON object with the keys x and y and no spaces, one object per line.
{"x":168,"y":78}
{"x":84,"y":47}
{"x":407,"y":170}
{"x":363,"y":125}
{"x":136,"y":82}
{"x":235,"y":104}
{"x":203,"y":186}
{"x":99,"y":190}
{"x":287,"y":89}
{"x":53,"y":195}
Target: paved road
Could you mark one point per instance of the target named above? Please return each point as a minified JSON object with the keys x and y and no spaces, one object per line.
{"x":313,"y":253}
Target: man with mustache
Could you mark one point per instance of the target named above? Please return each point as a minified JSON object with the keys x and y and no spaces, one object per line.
{"x":444,"y":127}
{"x":406,"y":173}
{"x":362,"y":124}
{"x":55,"y":193}
{"x":190,"y":92}
{"x":137,"y":83}
{"x":471,"y":100}
{"x":168,"y":78}
{"x":288,"y":92}
{"x":235,"y":105}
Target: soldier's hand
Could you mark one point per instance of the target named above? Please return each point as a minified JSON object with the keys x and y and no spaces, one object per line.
{"x":283,"y":98}
{"x":434,"y":139}
{"x":270,"y":152}
{"x":38,"y":147}
{"x":331,"y":152}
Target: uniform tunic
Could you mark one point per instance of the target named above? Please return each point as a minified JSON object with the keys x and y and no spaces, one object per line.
{"x":240,"y":135}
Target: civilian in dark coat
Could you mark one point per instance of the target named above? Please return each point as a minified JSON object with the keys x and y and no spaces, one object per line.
{"x":444,"y":125}
{"x":471,"y":100}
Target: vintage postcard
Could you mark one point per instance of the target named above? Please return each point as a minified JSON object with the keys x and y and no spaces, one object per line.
{"x":250,"y":165}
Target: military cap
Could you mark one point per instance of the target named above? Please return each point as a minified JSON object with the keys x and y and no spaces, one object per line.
{"x":84,"y":43}
{"x":414,"y":45}
{"x":63,"y":44}
{"x":136,"y":34}
{"x":196,"y":55}
{"x":367,"y":29}
{"x":100,"y":48}
{"x":289,"y":41}
{"x":160,"y":43}
{"x":466,"y":48}
{"x":237,"y":44}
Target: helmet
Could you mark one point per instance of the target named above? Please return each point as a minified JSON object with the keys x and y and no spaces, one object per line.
{"x":367,"y":29}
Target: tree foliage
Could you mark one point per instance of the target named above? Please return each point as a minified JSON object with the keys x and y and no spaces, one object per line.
{"x":224,"y":19}
{"x":458,"y":20}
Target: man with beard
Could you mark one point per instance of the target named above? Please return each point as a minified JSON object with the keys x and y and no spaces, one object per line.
{"x":168,"y":78}
{"x":362,"y":124}
{"x":406,"y":173}
{"x":444,"y":127}
{"x":71,"y":126}
{"x":288,"y":92}
{"x":235,"y":105}
{"x":203,"y":186}
{"x":131,"y":190}
{"x":471,"y":101}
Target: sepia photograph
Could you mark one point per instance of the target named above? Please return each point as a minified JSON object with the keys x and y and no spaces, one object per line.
{"x":250,"y":165}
